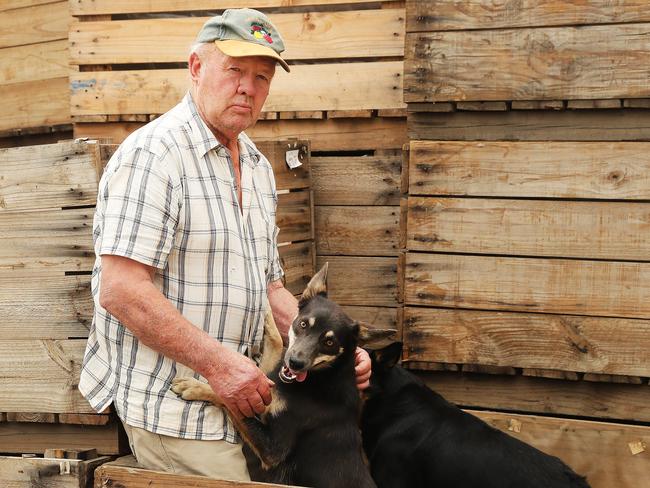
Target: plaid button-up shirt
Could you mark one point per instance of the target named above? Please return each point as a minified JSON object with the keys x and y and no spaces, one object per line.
{"x":168,"y":199}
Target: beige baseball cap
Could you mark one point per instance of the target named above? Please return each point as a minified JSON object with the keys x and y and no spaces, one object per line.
{"x":244,"y":32}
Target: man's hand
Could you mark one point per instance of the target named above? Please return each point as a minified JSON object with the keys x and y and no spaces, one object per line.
{"x":243,"y":388}
{"x":362,"y":368}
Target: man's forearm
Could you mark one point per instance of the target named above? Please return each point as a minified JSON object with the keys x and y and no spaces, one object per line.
{"x":284,"y":307}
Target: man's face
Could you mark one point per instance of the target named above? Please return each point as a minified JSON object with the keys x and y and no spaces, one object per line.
{"x":230,"y":92}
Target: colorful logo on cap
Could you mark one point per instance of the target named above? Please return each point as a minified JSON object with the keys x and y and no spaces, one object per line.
{"x":258,"y":31}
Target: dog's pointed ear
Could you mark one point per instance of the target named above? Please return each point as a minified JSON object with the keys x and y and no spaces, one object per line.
{"x":369,"y":334}
{"x":387,"y":357}
{"x":316,"y":286}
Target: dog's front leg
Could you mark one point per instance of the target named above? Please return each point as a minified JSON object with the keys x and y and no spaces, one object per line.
{"x":269,"y":448}
{"x":193,"y":389}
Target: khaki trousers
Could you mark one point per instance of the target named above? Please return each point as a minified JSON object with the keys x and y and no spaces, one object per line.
{"x":215,"y":459}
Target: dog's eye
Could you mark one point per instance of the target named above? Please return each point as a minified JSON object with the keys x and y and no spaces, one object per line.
{"x":303,"y":324}
{"x":329,"y":342}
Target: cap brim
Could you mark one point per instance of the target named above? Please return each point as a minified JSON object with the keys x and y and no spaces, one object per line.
{"x":238,"y":49}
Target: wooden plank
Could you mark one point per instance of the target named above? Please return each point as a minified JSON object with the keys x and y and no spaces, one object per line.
{"x":381,"y":317}
{"x":285,"y":177}
{"x":298,"y":264}
{"x":597,"y":288}
{"x":439,"y":15}
{"x":532,"y":125}
{"x":361,"y":180}
{"x":364,"y":281}
{"x":594,"y":170}
{"x":335,"y":86}
{"x":324,"y":135}
{"x":94,"y":7}
{"x":357,"y":231}
{"x":592,"y":230}
{"x":41,"y":61}
{"x":294,"y":216}
{"x":41,"y":376}
{"x":34,"y":24}
{"x":527,"y":64}
{"x":599,"y":450}
{"x":34,"y":417}
{"x":35,"y":104}
{"x":84,"y":419}
{"x":14,"y":4}
{"x":112,"y":474}
{"x":48,"y":176}
{"x":25,"y":437}
{"x":593,"y":104}
{"x":16,"y":472}
{"x":313,"y":35}
{"x":556,"y":342}
{"x":45,"y":305}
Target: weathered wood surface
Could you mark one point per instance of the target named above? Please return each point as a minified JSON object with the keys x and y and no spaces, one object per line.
{"x":94,"y":7}
{"x":48,"y":176}
{"x":542,"y":395}
{"x":557,"y":342}
{"x":593,"y":170}
{"x":34,"y":104}
{"x":276,"y":153}
{"x":21,"y":438}
{"x":564,"y":286}
{"x":42,"y":61}
{"x":324,"y":135}
{"x":33,"y":24}
{"x":298,"y":264}
{"x":313,"y":35}
{"x":532,"y":125}
{"x":381,"y":317}
{"x":437,"y":15}
{"x":345,"y":86}
{"x":41,"y":376}
{"x":366,"y":281}
{"x":592,"y":230}
{"x":13,"y":4}
{"x":566,"y":63}
{"x":363,"y":180}
{"x":294,"y":216}
{"x":604,"y":452}
{"x":357,"y":230}
{"x":17,"y":472}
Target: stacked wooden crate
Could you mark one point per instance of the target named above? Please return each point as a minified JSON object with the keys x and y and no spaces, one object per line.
{"x":527,"y":221}
{"x":34,"y":72}
{"x":344,"y":95}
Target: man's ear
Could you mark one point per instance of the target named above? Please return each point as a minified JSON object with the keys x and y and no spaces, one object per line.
{"x":316,"y":286}
{"x":388,"y":356}
{"x":369,"y":334}
{"x":194,"y":65}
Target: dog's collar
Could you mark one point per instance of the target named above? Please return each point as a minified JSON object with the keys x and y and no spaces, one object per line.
{"x":286,"y":376}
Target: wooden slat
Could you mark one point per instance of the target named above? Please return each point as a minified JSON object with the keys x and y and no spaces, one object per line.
{"x":24,"y":437}
{"x":599,"y":450}
{"x":364,"y":180}
{"x":324,"y":135}
{"x":41,"y":61}
{"x":557,"y":342}
{"x":48,"y":176}
{"x":276,"y":153}
{"x":326,"y":87}
{"x":357,"y":230}
{"x":437,"y":15}
{"x":367,"y":281}
{"x":298,"y":264}
{"x":598,"y":288}
{"x":39,"y":418}
{"x":17,"y":472}
{"x":14,"y":4}
{"x":528,"y":64}
{"x":41,"y":376}
{"x":35,"y":104}
{"x":382,"y":317}
{"x":593,"y":230}
{"x":84,"y":419}
{"x":294,"y":216}
{"x":533,"y":125}
{"x":543,"y":396}
{"x":594,"y":170}
{"x":39,"y":23}
{"x":94,"y":7}
{"x":315,"y":35}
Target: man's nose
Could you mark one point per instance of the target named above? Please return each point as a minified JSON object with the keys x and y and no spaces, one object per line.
{"x":246,"y":85}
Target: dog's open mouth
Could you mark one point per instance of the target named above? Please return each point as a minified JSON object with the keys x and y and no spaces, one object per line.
{"x":287,"y":375}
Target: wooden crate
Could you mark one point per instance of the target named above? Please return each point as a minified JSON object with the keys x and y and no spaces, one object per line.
{"x":28,"y":472}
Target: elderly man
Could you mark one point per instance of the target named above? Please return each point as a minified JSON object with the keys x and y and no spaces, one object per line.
{"x":185,"y":239}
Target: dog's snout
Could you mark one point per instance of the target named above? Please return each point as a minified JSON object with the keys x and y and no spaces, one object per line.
{"x":296,"y":364}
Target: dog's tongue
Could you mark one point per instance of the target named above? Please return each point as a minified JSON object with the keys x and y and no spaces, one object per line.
{"x":300,"y":375}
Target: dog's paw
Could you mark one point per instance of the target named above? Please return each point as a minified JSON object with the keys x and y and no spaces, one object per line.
{"x":189,"y":388}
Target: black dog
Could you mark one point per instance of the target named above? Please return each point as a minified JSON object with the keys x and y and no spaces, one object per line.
{"x":413,"y":437}
{"x":309,"y":435}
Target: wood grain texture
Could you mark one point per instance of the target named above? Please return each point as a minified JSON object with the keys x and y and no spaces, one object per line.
{"x":298,"y":264}
{"x":18,"y":472}
{"x":556,"y":342}
{"x":42,"y":61}
{"x":311,"y":35}
{"x":567,"y":63}
{"x":343,"y":86}
{"x":593,"y":170}
{"x":294,"y":216}
{"x":596,"y":288}
{"x":438,"y":15}
{"x":34,"y":24}
{"x":590,"y":230}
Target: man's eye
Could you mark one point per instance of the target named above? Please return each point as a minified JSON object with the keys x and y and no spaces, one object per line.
{"x":263,"y":78}
{"x":235,"y":68}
